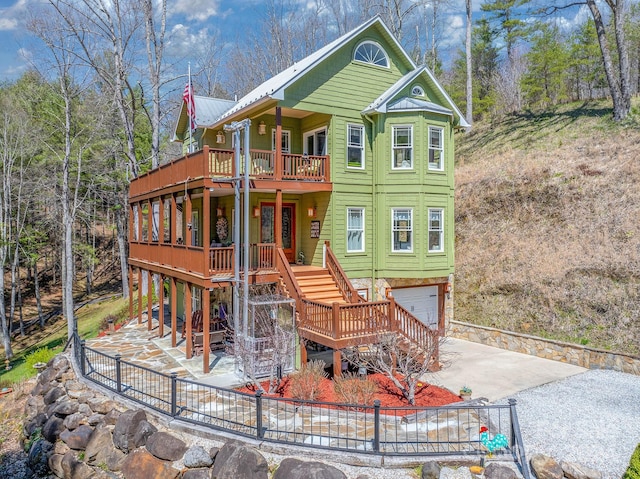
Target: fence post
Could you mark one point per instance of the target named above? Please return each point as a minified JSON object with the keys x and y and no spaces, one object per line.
{"x":118,"y":373}
{"x":82,"y":358}
{"x":260,"y":433}
{"x":516,"y":440}
{"x":174,"y":394}
{"x":376,"y":424}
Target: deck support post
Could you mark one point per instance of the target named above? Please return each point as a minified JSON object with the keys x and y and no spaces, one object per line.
{"x":337,"y":363}
{"x":161,"y":307}
{"x":139,"y":295}
{"x":130,"y":279}
{"x":303,"y":352}
{"x":149,"y":300}
{"x":206,"y":341}
{"x":174,"y":310}
{"x":187,"y":319}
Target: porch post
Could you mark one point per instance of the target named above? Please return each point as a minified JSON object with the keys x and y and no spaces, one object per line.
{"x":277,"y":226}
{"x":206,"y":227}
{"x":187,"y":319}
{"x":139,"y":295}
{"x":149,"y":221}
{"x":206,"y":346}
{"x":337,"y":363}
{"x":139,"y":215}
{"x":278,"y":160}
{"x":149,"y":299}
{"x":187,"y":218}
{"x":172,"y":220}
{"x":130,"y":292}
{"x":161,"y":307}
{"x":174,"y":310}
{"x":303,"y":352}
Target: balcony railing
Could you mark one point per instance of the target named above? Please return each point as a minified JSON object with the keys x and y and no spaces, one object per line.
{"x":217,"y":163}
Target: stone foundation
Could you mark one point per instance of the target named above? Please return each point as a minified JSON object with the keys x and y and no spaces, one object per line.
{"x":575,"y":354}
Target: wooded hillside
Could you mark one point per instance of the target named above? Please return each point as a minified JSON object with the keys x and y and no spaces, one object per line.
{"x":547,"y":230}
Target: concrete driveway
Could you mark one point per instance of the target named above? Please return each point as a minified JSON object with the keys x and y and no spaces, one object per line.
{"x":494,"y":373}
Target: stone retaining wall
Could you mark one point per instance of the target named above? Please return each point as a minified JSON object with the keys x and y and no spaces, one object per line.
{"x":545,"y":348}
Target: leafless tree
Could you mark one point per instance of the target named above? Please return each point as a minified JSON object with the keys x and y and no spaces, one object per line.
{"x":467,"y":48}
{"x":400,"y":360}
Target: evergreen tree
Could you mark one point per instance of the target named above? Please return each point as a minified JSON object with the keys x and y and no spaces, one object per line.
{"x":585,"y":66}
{"x":503,"y":15}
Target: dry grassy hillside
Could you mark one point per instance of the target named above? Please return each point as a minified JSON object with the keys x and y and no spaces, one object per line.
{"x":548,"y":226}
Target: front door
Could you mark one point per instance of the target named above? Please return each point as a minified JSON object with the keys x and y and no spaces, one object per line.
{"x":267,"y":235}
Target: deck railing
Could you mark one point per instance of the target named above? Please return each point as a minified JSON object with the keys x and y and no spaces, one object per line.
{"x":339,"y":276}
{"x":355,"y":428}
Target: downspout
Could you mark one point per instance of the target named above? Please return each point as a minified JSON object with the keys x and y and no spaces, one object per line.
{"x":373,"y":208}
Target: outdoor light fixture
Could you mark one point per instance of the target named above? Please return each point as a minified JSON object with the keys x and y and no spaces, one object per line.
{"x":262,"y":128}
{"x":219,"y":211}
{"x":220,"y":138}
{"x":256,"y":212}
{"x":311,"y":211}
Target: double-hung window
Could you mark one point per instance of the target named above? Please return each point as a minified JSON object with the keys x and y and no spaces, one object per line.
{"x":355,"y":146}
{"x":402,"y":230}
{"x":286,"y":140}
{"x":436,"y":149}
{"x":436,"y":230}
{"x":355,"y":230}
{"x":402,"y":146}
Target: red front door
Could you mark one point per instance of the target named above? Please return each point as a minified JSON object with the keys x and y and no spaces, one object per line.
{"x":267,"y":219}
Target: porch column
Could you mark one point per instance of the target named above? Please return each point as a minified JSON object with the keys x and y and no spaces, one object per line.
{"x":187,"y":319}
{"x":206,"y":346}
{"x":130,"y":269}
{"x":278,"y":160}
{"x":161,"y":307}
{"x":174,"y":310}
{"x":149,"y":299}
{"x":206,"y":233}
{"x":337,"y":363}
{"x":139,"y":216}
{"x":139,"y":295}
{"x":149,"y":221}
{"x":172,"y":220}
{"x":277,"y":226}
{"x":303,"y":352}
{"x":187,"y":218}
{"x":132,"y":207}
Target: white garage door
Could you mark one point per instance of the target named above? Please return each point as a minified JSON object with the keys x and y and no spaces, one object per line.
{"x":421,"y":301}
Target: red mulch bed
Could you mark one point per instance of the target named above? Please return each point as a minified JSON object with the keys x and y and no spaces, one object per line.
{"x":426,"y":394}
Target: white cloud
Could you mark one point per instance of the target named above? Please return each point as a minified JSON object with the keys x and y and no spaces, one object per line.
{"x":199,"y":10}
{"x":25,"y":54}
{"x":10,"y":16}
{"x":184,"y":40}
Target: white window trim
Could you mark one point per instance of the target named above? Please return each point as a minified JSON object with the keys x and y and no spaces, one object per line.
{"x":393,"y":147}
{"x":285,"y":134}
{"x":393,"y":210}
{"x":440,"y":230}
{"x":369,"y":42}
{"x":349,"y":145}
{"x":417,"y":90}
{"x":313,"y":133}
{"x":362,"y":210}
{"x":436,"y":128}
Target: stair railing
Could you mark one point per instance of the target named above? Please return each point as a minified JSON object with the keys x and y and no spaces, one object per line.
{"x":289,"y":279}
{"x":339,"y":276}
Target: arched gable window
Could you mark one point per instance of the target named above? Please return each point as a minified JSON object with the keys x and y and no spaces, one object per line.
{"x":417,"y":91}
{"x":371,"y":52}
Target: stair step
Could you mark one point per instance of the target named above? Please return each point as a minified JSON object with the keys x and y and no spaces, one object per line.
{"x":319,"y":287}
{"x":316,"y":282}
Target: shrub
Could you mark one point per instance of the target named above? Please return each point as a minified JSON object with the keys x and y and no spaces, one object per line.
{"x":633,"y":471}
{"x":305,"y":383}
{"x":351,"y":389}
{"x":40,"y":355}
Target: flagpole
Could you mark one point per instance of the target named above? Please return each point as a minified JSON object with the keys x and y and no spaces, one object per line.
{"x":192,"y":100}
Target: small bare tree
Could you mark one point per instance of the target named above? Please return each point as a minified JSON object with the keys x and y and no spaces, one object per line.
{"x":268,"y":349}
{"x":402,"y":361}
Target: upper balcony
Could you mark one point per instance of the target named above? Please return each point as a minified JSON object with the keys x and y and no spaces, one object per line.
{"x":210,"y":163}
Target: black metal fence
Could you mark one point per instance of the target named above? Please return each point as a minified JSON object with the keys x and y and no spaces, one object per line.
{"x":403,"y":431}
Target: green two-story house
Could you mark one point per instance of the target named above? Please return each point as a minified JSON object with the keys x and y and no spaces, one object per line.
{"x":351,"y":194}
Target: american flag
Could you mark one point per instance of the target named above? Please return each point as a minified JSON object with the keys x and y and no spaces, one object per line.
{"x":187,"y":96}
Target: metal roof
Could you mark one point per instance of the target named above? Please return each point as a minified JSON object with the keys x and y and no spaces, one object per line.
{"x":413,"y":104}
{"x":208,"y":109}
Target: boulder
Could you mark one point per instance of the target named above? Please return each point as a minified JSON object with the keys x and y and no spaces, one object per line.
{"x":237,"y":461}
{"x":60,"y":448}
{"x":143,"y":432}
{"x":55,"y":465}
{"x":85,"y":409}
{"x":545,"y":467}
{"x":578,"y":471}
{"x":431,"y":470}
{"x":59,"y":363}
{"x":95,"y":419}
{"x":65,"y":408}
{"x":291,"y":468}
{"x":195,"y":457}
{"x":100,"y":450}
{"x":34,"y":406}
{"x":74,"y":469}
{"x":53,"y":395}
{"x":126,"y":427}
{"x":78,"y":438}
{"x":499,"y":471}
{"x":197,"y":474}
{"x":141,"y":464}
{"x":38,"y":458}
{"x":74,"y":420}
{"x":32,"y":425}
{"x":52,"y":428}
{"x":100,"y":404}
{"x":165,"y":446}
{"x":111,"y":417}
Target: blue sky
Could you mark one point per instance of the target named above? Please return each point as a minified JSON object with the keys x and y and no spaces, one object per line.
{"x":192,"y":23}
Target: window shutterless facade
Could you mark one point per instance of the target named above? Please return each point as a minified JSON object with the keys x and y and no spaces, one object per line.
{"x":286,"y":140}
{"x":402,"y":147}
{"x":401,"y":230}
{"x":355,"y":230}
{"x":436,"y":148}
{"x":436,"y":230}
{"x":355,"y":146}
{"x":372,"y":53}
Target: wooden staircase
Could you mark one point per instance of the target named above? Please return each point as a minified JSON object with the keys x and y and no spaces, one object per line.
{"x":318,"y":285}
